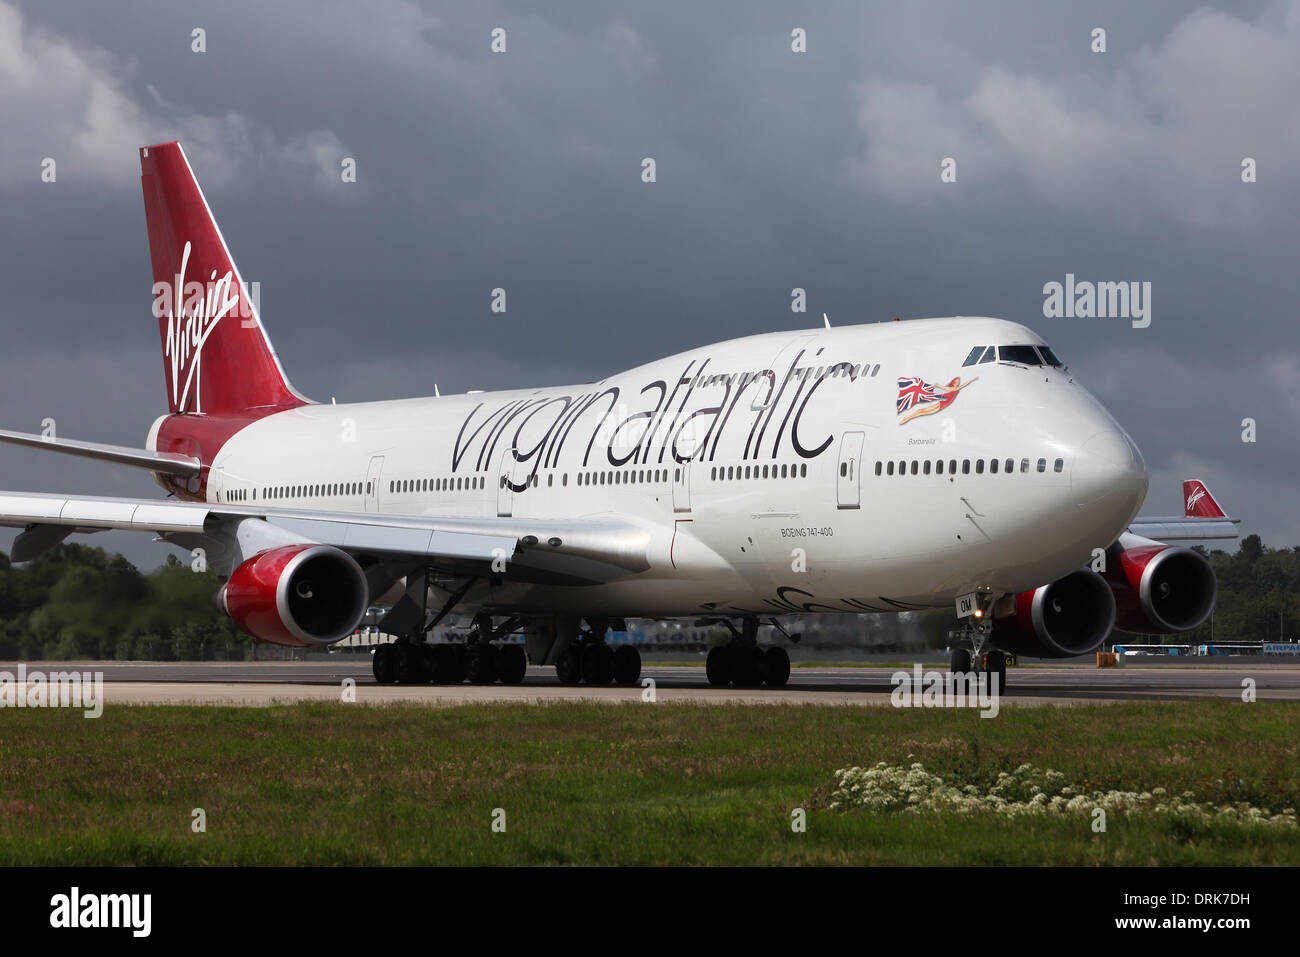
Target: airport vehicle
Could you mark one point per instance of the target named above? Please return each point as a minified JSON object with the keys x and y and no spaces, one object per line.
{"x":869,"y":468}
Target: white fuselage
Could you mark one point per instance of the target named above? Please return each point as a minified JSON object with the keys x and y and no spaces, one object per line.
{"x":760,"y":467}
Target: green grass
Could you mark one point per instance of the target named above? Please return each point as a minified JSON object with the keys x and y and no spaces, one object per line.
{"x":615,"y":784}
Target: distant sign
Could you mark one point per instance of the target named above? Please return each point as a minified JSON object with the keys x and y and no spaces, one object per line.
{"x":1279,"y":648}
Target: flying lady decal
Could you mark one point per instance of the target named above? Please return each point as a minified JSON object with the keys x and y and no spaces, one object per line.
{"x":916,"y":397}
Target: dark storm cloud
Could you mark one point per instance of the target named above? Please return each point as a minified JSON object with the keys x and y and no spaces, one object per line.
{"x":775,"y":170}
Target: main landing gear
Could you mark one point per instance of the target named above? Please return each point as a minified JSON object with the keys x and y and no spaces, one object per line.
{"x":480,"y":660}
{"x":591,"y":659}
{"x":743,"y":663}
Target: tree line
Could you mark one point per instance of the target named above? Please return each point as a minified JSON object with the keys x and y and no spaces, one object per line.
{"x":80,"y":602}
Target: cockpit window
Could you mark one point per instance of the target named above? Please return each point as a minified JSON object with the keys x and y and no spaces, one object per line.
{"x":974,"y":356}
{"x":990,"y":353}
{"x":1049,"y":356}
{"x":1025,"y":355}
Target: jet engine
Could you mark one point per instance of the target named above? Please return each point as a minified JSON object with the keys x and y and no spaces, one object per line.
{"x":298,"y":595}
{"x":1071,"y":616}
{"x":1159,"y":588}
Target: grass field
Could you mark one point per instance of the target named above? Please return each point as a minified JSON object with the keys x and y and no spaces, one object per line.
{"x":619,"y":784}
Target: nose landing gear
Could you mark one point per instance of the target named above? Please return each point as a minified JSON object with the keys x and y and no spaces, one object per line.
{"x":977,"y":630}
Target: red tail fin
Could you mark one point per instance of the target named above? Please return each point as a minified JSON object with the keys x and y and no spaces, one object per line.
{"x":216,"y":356}
{"x":1200,"y":503}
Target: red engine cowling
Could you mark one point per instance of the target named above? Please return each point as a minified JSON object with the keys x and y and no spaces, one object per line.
{"x":297,"y":595}
{"x":1071,"y":616}
{"x":1159,"y":588}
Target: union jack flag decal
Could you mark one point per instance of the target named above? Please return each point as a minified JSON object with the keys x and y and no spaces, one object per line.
{"x":918,"y":397}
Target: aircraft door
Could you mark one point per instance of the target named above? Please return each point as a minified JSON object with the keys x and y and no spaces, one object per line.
{"x":849,"y":481}
{"x":371,"y":491}
{"x":506,"y":466}
{"x":682,"y":486}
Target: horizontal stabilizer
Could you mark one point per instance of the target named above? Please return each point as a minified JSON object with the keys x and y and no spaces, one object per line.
{"x":1204,"y":519}
{"x":164,"y":463}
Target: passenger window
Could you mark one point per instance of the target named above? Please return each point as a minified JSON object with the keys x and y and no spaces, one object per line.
{"x":965,"y":466}
{"x":938,"y":467}
{"x":1042,"y":465}
{"x":1060,"y":464}
{"x":993,"y":466}
{"x":979,"y":466}
{"x":890,"y":470}
{"x":877,"y":468}
{"x":926,"y":467}
{"x":1010,"y":466}
{"x":914,"y":466}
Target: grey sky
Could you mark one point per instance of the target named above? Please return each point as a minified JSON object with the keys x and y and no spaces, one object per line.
{"x":775,"y":170}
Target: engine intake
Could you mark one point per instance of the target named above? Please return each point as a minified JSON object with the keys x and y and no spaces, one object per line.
{"x":1159,"y":588}
{"x":298,"y":595}
{"x":1071,"y":616}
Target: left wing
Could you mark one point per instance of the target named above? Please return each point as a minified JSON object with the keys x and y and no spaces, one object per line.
{"x":577,"y":552}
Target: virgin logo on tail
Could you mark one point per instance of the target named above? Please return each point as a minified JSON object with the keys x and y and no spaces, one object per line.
{"x":1200,"y":503}
{"x":193,"y":310}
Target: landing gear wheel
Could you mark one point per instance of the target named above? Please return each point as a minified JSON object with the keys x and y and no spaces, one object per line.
{"x":715,"y":666}
{"x":383,"y":665}
{"x":568,"y":667}
{"x":409,"y":664}
{"x":776,"y":667}
{"x":428,"y":662}
{"x":597,"y":664}
{"x":446,"y":665}
{"x":480,"y":664}
{"x":512,"y":664}
{"x":960,"y":661}
{"x":746,"y":666}
{"x":627,"y":665}
{"x":459,"y":652}
{"x":995,"y":663}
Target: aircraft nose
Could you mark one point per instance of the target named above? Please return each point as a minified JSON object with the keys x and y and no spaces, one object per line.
{"x":1110,"y":475}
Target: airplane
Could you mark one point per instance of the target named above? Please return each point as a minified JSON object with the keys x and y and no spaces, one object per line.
{"x":876,"y":468}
